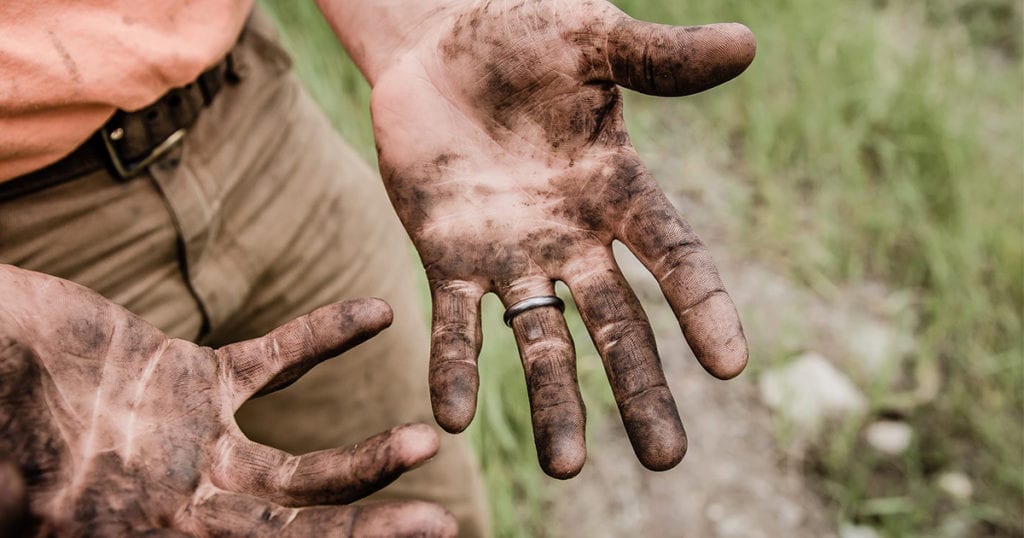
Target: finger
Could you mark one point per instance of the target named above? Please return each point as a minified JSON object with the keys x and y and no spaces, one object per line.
{"x":400,"y":519}
{"x":667,"y":245}
{"x":618,"y":326}
{"x":335,"y":476}
{"x":556,"y":406}
{"x":276,"y":360}
{"x":219,"y":513}
{"x":660,"y":59}
{"x":455,"y":340}
{"x":13,"y":500}
{"x":152,"y":533}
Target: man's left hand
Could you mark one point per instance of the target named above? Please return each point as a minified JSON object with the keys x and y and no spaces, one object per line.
{"x":503,"y":148}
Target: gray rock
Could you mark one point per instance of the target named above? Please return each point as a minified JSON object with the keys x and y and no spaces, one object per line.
{"x":890,"y":437}
{"x":956,"y":484}
{"x":808,"y":391}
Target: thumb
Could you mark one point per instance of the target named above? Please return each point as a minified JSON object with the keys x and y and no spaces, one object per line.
{"x":670,"y":61}
{"x":272,"y":362}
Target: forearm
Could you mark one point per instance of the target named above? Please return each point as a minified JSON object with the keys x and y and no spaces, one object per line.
{"x":376,"y":33}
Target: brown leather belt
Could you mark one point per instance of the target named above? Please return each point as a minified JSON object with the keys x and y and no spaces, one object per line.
{"x":130,"y":141}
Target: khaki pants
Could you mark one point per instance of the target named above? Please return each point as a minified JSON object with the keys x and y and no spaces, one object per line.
{"x":262,"y":214}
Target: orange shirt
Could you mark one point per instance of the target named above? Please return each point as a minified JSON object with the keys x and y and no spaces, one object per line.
{"x":67,"y":65}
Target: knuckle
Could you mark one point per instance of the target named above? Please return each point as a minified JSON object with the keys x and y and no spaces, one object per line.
{"x":683,"y":253}
{"x":454,"y":334}
{"x":553,"y":372}
{"x":637,"y":393}
{"x":551,"y":349}
{"x":613,"y":331}
{"x":704,"y":298}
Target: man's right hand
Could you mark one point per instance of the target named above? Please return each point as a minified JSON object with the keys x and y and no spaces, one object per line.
{"x":116,"y":429}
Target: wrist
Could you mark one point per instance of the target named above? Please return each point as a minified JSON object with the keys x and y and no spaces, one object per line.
{"x":378,"y":33}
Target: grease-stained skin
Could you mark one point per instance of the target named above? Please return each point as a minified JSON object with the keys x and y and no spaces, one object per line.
{"x":502,"y":145}
{"x":109,"y":428}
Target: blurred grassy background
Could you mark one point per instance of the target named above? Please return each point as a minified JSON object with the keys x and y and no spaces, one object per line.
{"x":881,"y":141}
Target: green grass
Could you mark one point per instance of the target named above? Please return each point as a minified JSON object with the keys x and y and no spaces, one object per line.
{"x":879,"y":142}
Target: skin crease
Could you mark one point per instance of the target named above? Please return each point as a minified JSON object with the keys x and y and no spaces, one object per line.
{"x":502,"y":145}
{"x":109,"y":428}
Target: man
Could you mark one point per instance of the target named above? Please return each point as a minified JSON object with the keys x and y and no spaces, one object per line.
{"x":232,"y":206}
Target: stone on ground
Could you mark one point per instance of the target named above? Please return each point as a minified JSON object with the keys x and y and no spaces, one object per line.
{"x":808,"y":391}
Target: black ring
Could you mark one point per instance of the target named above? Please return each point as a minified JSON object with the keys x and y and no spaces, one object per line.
{"x":530,"y":304}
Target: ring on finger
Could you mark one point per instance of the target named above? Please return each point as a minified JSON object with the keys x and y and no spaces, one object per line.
{"x":530,"y":304}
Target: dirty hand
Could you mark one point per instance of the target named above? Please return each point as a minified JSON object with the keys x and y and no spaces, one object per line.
{"x":503,"y":148}
{"x":116,"y":429}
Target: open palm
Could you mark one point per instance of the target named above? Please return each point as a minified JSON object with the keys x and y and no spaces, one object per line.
{"x":503,"y":148}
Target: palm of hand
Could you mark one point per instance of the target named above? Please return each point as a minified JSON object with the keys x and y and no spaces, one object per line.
{"x":128,"y":439}
{"x":119,"y":430}
{"x":503,"y":148}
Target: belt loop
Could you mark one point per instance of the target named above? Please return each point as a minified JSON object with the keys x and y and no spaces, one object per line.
{"x":232,"y":74}
{"x":209,"y":83}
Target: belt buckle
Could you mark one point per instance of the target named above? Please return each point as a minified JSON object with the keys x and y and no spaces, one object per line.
{"x":127,"y":170}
